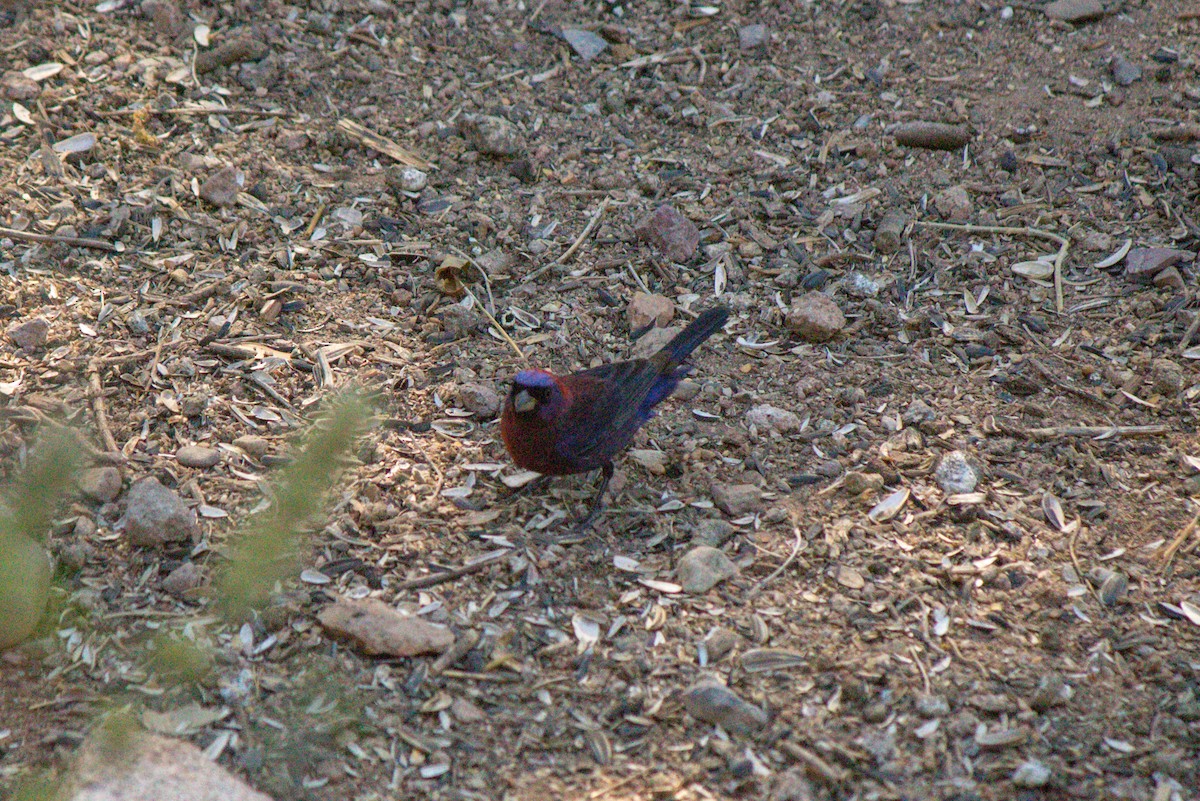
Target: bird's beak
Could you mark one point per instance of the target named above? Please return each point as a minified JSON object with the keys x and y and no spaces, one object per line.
{"x":524,"y":402}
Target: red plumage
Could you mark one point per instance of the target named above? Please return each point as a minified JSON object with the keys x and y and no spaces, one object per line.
{"x":559,"y":425}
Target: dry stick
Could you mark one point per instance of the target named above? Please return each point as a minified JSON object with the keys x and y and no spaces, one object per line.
{"x":76,"y":241}
{"x":451,"y":575}
{"x":569,"y":252}
{"x":912,"y":649}
{"x":796,"y":546}
{"x":511,"y":342}
{"x":1063,"y":246}
{"x":99,"y":408}
{"x":1169,"y":552}
{"x":1095,"y":431}
{"x":1075,"y":561}
{"x":1067,"y":387}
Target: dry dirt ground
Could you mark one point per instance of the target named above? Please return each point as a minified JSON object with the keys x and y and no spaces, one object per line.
{"x":1037,"y":637}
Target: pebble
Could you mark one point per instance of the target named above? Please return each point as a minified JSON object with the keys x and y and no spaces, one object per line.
{"x":1169,"y":279}
{"x":933,"y":706}
{"x":404,"y":178}
{"x":767,"y":417}
{"x":653,"y":341}
{"x":1052,"y":691}
{"x":711,"y":532}
{"x":18,"y":86}
{"x":491,"y":135}
{"x":751,"y":37}
{"x":1075,"y":10}
{"x":954,"y":204}
{"x":702,"y":568}
{"x":23,"y":602}
{"x":1142,"y":264}
{"x":30,"y":335}
{"x":253,"y":445}
{"x":647,"y":309}
{"x":155,"y":515}
{"x":1031,"y":773}
{"x":686,"y":390}
{"x":816,"y":318}
{"x":1166,"y":377}
{"x":671,"y":233}
{"x":221,"y":188}
{"x":654,"y":461}
{"x":169,"y":21}
{"x":736,"y":500}
{"x":197,"y":456}
{"x":182,"y":580}
{"x":380,"y":629}
{"x":955,"y":474}
{"x":1124,"y":71}
{"x":586,"y":44}
{"x":918,"y":412}
{"x":151,"y":766}
{"x":861,"y":285}
{"x":101,"y":484}
{"x":479,"y":399}
{"x":712,"y":702}
{"x":857,"y":483}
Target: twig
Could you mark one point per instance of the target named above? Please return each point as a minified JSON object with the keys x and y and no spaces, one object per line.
{"x":826,"y":772}
{"x":912,"y":649}
{"x":1067,"y":387}
{"x":1169,"y":552}
{"x":1098,"y":432}
{"x":99,"y":408}
{"x":1075,"y":561}
{"x":136,"y":356}
{"x":76,"y":241}
{"x":569,"y":252}
{"x":203,"y":293}
{"x":1063,"y":246}
{"x":451,"y":575}
{"x":318,"y":215}
{"x":796,"y":546}
{"x":511,"y":342}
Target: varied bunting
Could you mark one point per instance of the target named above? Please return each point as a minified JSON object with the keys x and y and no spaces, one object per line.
{"x":558,"y":425}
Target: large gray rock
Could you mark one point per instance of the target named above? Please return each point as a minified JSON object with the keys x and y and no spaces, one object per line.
{"x":155,"y":515}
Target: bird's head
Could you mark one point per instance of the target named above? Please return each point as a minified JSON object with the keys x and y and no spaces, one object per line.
{"x":531,"y":391}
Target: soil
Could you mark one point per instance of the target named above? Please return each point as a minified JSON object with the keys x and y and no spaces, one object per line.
{"x":1034,"y":636}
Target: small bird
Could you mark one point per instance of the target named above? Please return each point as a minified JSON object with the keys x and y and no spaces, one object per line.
{"x":559,"y":425}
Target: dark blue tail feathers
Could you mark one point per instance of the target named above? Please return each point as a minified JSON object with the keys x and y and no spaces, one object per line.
{"x":708,"y":323}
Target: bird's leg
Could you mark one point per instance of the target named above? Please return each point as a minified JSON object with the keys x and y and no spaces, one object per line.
{"x":598,"y":503}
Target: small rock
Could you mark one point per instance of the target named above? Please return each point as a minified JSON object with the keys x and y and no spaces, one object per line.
{"x":490,"y":135}
{"x":1124,"y":71}
{"x":954,"y":204}
{"x":654,"y":461}
{"x":1166,"y":377}
{"x":479,"y":399}
{"x":197,"y":456}
{"x":101,"y":484}
{"x":753,"y":36}
{"x":861,"y":285}
{"x":714,"y":533}
{"x":1142,"y":264}
{"x":155,"y":515}
{"x":18,"y":86}
{"x":252,"y":445}
{"x":586,"y":44}
{"x":955,"y":474}
{"x":702,"y":568}
{"x":713,"y":702}
{"x":466,"y":711}
{"x":653,"y":341}
{"x":1052,"y":691}
{"x":1169,"y":279}
{"x":1031,"y":773}
{"x":1075,"y":10}
{"x":918,"y":412}
{"x":767,"y":417}
{"x":380,"y":629}
{"x":152,"y":767}
{"x":816,"y":318}
{"x":686,"y":390}
{"x":933,"y":706}
{"x":857,"y":483}
{"x":403,"y":178}
{"x":646,"y":309}
{"x":31,"y":334}
{"x":181,"y":581}
{"x":169,"y":21}
{"x":670,"y":232}
{"x":222,"y":187}
{"x":736,"y":500}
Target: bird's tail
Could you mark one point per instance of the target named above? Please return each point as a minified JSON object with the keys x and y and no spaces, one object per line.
{"x":708,"y":323}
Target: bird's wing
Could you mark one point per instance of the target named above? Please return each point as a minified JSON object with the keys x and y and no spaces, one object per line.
{"x":609,"y":403}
